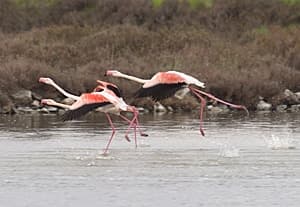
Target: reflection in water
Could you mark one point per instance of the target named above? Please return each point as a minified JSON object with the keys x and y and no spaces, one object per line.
{"x":46,"y":162}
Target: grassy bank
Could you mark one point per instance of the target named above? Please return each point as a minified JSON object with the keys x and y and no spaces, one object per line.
{"x":241,"y":49}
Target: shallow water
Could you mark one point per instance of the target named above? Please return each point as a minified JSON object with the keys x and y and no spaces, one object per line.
{"x":242,"y":161}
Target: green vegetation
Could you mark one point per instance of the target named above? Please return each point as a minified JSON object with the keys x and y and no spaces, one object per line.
{"x":263,"y":30}
{"x":157,"y":3}
{"x":241,"y":49}
{"x":200,"y":3}
{"x":291,"y":2}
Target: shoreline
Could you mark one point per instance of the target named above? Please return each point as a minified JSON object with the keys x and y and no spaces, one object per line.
{"x":26,"y":101}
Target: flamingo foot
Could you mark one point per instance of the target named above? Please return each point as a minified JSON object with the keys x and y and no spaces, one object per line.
{"x":202,"y":132}
{"x":144,"y":135}
{"x":127,"y":138}
{"x":105,"y":153}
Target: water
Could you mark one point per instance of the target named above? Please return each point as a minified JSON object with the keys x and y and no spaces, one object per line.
{"x":252,"y":161}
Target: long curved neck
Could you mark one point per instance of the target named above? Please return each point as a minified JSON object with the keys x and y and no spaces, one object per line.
{"x":61,"y":105}
{"x":129,"y":77}
{"x":65,"y":93}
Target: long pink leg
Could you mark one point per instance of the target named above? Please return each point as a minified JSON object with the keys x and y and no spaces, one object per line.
{"x":129,"y":121}
{"x":219,"y":100}
{"x":203,"y":104}
{"x":131,"y":124}
{"x":135,"y":141}
{"x":112,"y":135}
{"x":138,"y":126}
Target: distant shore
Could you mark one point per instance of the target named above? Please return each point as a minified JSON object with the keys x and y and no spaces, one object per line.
{"x":30,"y":102}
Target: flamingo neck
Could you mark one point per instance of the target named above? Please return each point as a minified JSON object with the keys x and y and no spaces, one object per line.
{"x":59,"y":105}
{"x":65,"y":106}
{"x":65,"y":93}
{"x":129,"y":77}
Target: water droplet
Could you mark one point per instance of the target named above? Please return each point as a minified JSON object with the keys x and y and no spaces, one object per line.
{"x":275,"y":142}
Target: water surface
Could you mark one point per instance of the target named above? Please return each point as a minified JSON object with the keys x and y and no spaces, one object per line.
{"x":252,"y":161}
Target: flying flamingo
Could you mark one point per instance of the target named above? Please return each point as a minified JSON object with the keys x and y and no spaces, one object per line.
{"x":103,"y":99}
{"x":172,"y":83}
{"x":110,"y":108}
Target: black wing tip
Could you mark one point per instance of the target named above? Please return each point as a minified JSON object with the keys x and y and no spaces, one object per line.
{"x":77,"y":113}
{"x":159,"y":92}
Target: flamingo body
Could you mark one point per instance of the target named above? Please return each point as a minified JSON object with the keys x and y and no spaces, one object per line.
{"x":166,"y":84}
{"x":86,"y":102}
{"x":162,"y":85}
{"x":172,"y":77}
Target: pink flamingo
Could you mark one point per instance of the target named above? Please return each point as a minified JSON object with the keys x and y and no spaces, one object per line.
{"x":172,"y":83}
{"x":103,"y":99}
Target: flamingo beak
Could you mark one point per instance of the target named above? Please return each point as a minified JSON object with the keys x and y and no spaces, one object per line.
{"x":44,"y":102}
{"x":108,"y":73}
{"x":41,"y":79}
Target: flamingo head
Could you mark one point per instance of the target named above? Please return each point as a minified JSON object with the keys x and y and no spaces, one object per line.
{"x":111,"y":87}
{"x":48,"y":81}
{"x":112,"y":73}
{"x":99,"y":88}
{"x":48,"y":102}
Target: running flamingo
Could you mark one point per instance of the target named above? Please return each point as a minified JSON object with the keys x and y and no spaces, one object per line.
{"x":103,"y":99}
{"x":172,"y":83}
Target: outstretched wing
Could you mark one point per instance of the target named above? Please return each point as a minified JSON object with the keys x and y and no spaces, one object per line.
{"x":84,"y":109}
{"x":159,"y":91}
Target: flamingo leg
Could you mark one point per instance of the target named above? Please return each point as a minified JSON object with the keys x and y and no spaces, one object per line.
{"x":202,"y":107}
{"x":135,"y":140}
{"x":219,"y":100}
{"x":112,"y":135}
{"x":133,"y":124}
{"x":138,"y":125}
{"x":129,"y":121}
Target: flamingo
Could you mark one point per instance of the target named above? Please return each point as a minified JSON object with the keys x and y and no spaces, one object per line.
{"x":173,"y":83}
{"x":102,"y":98}
{"x":102,"y":84}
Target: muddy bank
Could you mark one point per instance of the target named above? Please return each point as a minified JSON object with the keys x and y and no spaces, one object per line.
{"x":26,"y":101}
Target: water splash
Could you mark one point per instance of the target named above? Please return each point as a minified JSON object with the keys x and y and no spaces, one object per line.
{"x":91,"y":164}
{"x":275,"y":142}
{"x":102,"y":156}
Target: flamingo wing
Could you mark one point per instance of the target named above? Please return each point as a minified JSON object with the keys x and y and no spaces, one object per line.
{"x":115,"y":89}
{"x":84,"y":109}
{"x":160,"y":91}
